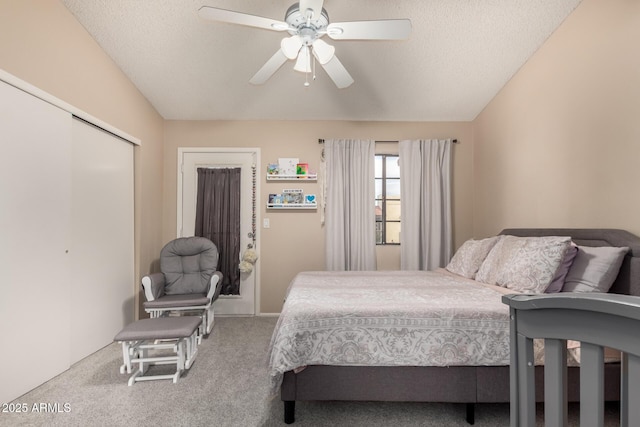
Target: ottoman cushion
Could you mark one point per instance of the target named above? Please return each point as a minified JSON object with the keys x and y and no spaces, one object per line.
{"x":159,"y":328}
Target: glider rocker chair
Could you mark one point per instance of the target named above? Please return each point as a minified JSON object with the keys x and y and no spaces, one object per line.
{"x":188,"y":283}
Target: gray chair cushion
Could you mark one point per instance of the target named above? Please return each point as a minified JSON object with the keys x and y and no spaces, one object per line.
{"x":187,"y":264}
{"x":183,"y":300}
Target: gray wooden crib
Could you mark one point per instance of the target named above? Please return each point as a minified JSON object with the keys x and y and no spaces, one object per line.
{"x":597,"y":321}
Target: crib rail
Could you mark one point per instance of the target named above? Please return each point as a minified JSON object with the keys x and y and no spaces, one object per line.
{"x":597,"y":321}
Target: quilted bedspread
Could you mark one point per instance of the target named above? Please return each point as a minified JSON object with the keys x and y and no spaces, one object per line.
{"x":389,"y":318}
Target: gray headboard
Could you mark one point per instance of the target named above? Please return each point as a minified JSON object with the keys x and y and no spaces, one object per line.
{"x":628,"y":280}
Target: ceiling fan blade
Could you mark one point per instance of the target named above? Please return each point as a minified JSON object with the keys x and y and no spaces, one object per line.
{"x":389,"y":29}
{"x":314,"y":5}
{"x":231,"y":17}
{"x":269,"y":68}
{"x":338,"y":73}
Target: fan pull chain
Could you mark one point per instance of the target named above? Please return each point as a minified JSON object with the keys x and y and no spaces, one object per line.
{"x":314,"y":67}
{"x":306,"y":75}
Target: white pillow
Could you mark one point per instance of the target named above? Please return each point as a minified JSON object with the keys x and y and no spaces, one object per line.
{"x":594,"y":269}
{"x":468,"y":259}
{"x":524,"y":264}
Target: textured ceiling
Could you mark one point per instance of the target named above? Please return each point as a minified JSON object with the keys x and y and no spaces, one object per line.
{"x":459,"y":55}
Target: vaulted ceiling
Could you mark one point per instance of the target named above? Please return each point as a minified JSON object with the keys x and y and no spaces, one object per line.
{"x":459,"y":55}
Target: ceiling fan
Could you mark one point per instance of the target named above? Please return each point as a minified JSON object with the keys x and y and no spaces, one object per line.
{"x":307,"y":22}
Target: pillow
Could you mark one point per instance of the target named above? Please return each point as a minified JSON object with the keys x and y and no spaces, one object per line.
{"x":558,"y":280}
{"x":594,"y":269}
{"x":468,"y":259}
{"x":524,"y":264}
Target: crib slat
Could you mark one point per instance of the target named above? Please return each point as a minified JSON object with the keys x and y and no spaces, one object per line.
{"x":591,"y":385}
{"x":633,"y":387}
{"x":526,"y":383}
{"x":514,"y":398}
{"x":624,"y":389}
{"x":555,"y":382}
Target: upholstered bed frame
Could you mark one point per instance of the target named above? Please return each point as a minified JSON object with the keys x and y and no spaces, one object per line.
{"x":461,"y":384}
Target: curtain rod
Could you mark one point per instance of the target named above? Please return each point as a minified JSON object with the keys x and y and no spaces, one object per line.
{"x":321,"y":141}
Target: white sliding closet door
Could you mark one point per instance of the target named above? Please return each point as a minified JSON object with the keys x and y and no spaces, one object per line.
{"x":102,"y":238}
{"x":35,"y":194}
{"x":66,"y":240}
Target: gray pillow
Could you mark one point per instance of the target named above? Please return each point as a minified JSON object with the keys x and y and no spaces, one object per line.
{"x":594,"y":269}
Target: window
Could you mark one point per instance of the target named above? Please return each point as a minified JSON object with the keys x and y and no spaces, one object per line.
{"x":387,"y":181}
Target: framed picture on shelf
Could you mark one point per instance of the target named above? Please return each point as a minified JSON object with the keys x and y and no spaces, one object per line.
{"x":302,"y":168}
{"x":287,"y":166}
{"x":275,"y":199}
{"x":293,"y":196}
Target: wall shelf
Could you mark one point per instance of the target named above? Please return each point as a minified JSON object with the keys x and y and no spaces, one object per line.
{"x":307,"y":177}
{"x":292,"y":205}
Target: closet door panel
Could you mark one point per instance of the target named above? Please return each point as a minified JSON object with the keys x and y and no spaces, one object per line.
{"x":35,"y":184}
{"x":102,"y":238}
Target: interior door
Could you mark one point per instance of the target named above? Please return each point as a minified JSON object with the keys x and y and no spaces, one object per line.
{"x":192,"y":159}
{"x":102,"y":238}
{"x":35,"y":217}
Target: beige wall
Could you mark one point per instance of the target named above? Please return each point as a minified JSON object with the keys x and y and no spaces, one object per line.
{"x":280,"y":258}
{"x":559,"y":146}
{"x":43,"y":44}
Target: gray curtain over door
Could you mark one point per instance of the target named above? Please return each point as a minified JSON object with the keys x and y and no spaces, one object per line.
{"x":218,"y":219}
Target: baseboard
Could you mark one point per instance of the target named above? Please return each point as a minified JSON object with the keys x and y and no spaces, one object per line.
{"x":249,"y":315}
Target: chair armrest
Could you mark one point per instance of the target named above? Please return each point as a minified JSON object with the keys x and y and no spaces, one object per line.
{"x":153,"y":286}
{"x":215,"y":286}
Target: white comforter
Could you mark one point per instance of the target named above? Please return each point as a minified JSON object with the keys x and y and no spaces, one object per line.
{"x":425,"y":318}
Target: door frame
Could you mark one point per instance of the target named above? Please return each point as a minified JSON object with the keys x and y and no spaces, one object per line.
{"x":227,"y":150}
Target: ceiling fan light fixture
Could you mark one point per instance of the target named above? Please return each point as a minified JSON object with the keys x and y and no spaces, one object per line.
{"x":291,"y":46}
{"x":323,"y":51}
{"x":303,"y":63}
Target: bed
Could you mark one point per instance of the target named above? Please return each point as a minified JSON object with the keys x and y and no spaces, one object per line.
{"x":309,"y":366}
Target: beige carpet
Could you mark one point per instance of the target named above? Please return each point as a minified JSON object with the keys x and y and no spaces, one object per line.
{"x":226,"y":386}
